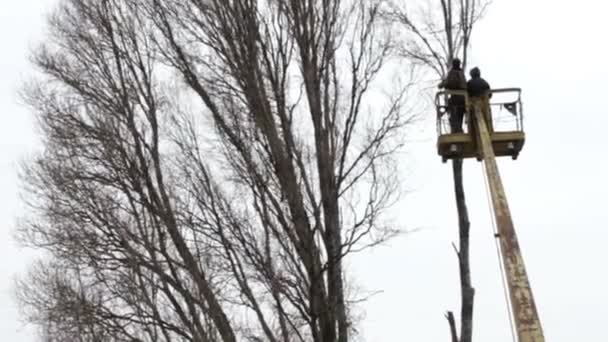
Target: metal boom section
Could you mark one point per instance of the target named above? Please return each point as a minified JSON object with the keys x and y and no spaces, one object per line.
{"x":523,"y":307}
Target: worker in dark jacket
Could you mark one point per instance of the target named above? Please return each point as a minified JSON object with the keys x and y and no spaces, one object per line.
{"x":455,"y":80}
{"x":478,"y":88}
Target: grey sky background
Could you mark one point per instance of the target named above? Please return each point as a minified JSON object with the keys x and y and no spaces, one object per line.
{"x":556,"y":51}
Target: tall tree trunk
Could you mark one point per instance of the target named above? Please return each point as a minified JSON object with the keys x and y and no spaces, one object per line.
{"x":466,"y":290}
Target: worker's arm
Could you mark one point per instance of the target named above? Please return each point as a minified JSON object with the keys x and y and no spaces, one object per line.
{"x":441,"y":84}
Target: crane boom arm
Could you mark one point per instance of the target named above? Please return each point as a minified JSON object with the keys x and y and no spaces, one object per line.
{"x":523,"y":307}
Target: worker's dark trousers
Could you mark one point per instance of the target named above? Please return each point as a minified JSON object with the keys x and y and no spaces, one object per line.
{"x":456,"y":117}
{"x":456,"y":105}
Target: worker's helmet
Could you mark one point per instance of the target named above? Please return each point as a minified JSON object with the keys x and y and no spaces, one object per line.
{"x":456,"y":63}
{"x":475,"y":72}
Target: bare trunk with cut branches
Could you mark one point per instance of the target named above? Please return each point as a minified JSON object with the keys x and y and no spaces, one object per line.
{"x":434,"y":41}
{"x":208,"y":166}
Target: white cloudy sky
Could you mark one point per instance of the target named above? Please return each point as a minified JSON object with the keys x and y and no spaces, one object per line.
{"x":556,"y":51}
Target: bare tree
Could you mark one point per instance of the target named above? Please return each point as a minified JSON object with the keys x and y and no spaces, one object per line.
{"x":208,"y":165}
{"x":434,"y":40}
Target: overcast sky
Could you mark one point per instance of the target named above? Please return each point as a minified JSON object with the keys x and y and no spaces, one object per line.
{"x":556,"y":51}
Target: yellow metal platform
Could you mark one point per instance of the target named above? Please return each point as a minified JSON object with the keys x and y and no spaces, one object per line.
{"x":462,"y":145}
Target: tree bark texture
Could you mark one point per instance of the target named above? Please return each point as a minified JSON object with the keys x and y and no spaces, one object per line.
{"x":464,"y":265}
